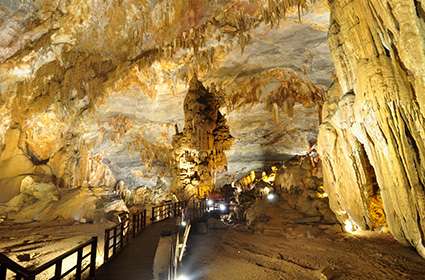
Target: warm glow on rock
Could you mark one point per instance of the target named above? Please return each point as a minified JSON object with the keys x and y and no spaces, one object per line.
{"x":350,"y":226}
{"x":303,"y":118}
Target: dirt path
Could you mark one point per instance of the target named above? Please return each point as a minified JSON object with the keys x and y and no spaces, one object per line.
{"x":283,"y":249}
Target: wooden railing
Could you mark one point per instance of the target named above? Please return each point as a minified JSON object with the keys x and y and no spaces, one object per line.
{"x":199,"y":208}
{"x":139,"y":222}
{"x":81,"y":266}
{"x":165,"y":211}
{"x":116,"y":238}
{"x":172,"y":268}
{"x":194,"y":211}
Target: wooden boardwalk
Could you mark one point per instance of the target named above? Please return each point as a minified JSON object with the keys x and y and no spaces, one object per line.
{"x":136,"y":260}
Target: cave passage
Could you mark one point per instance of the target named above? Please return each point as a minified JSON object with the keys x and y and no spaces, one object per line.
{"x":260,"y":139}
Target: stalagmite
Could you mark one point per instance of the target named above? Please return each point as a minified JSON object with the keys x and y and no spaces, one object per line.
{"x":199,"y":148}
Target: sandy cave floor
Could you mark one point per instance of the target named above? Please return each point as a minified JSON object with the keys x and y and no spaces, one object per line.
{"x":282,"y":249}
{"x":279,"y":249}
{"x":43,"y":241}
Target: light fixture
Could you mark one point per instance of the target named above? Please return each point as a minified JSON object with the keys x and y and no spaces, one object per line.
{"x":271,"y":197}
{"x":210,"y":202}
{"x":183,"y":223}
{"x":222,"y":207}
{"x":350,"y":226}
{"x":182,"y":277}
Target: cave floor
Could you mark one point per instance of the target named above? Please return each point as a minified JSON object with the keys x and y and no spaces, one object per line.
{"x":136,"y":261}
{"x":298,"y":251}
{"x":43,"y":241}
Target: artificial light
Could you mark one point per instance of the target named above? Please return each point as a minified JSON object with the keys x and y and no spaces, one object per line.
{"x":350,"y":226}
{"x":222,"y":207}
{"x":271,"y":196}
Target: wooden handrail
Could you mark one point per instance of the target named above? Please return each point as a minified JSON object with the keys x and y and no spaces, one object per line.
{"x":119,"y":238}
{"x":29,"y":274}
{"x":139,"y":222}
{"x":8,"y":264}
{"x":64,"y":255}
{"x":164,"y":211}
{"x":194,"y":212}
{"x":119,"y":234}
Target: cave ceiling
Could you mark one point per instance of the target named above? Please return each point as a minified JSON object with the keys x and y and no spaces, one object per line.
{"x":104,"y":82}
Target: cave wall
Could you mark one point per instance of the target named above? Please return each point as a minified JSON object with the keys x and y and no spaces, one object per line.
{"x":374,"y":117}
{"x":45,"y":119}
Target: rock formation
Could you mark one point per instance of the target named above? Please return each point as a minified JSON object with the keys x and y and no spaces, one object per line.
{"x":188,"y":95}
{"x":298,"y":183}
{"x":199,"y":148}
{"x":371,"y":140}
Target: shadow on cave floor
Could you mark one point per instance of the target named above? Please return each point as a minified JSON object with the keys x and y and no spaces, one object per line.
{"x":137,"y":260}
{"x":285,"y":249}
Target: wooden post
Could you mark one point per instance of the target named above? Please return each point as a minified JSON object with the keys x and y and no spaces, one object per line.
{"x":127,"y":235}
{"x":79,"y":262}
{"x":144,"y":218}
{"x":122,"y":235}
{"x":153,"y":214}
{"x":135,"y":225}
{"x":164,"y":212}
{"x":3,"y":272}
{"x":93,"y":253}
{"x":114,"y":249}
{"x":58,"y":269}
{"x":106,"y":247}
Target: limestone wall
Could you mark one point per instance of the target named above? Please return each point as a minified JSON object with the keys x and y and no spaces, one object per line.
{"x":374,"y":127}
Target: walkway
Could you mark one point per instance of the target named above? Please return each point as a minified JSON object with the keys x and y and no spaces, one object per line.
{"x":136,"y":259}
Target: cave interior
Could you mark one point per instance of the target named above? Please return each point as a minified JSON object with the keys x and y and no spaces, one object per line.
{"x":307,"y":113}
